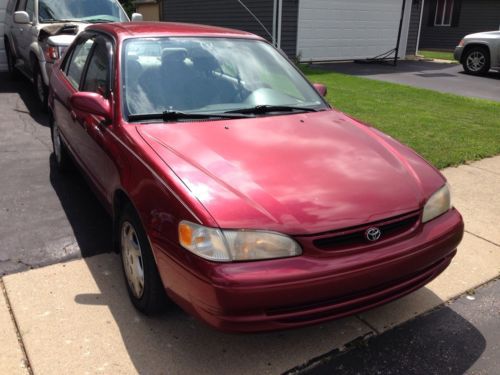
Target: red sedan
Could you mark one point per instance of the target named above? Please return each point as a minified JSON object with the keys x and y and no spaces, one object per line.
{"x":235,"y":188}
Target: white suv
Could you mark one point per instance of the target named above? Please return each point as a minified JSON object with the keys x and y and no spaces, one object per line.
{"x":37,"y":32}
{"x":479,"y":52}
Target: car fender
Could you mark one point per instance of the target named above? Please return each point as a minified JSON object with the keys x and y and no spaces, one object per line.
{"x":36,"y":52}
{"x":475,"y":42}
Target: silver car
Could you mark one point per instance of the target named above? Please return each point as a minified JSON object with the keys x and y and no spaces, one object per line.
{"x":480,"y":52}
{"x":37,"y":32}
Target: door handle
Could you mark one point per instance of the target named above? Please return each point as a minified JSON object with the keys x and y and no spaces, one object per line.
{"x":73,"y":115}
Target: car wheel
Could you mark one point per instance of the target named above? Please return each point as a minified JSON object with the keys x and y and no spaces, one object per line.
{"x":143,"y":282}
{"x":41,"y":88}
{"x":476,"y":61}
{"x":61,"y":155}
{"x":11,"y":62}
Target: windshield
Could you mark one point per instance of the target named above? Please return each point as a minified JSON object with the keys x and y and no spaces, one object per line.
{"x":81,"y":10}
{"x":210,"y":75}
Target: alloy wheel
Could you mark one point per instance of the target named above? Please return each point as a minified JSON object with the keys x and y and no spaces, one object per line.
{"x":132,"y":259}
{"x":476,"y":61}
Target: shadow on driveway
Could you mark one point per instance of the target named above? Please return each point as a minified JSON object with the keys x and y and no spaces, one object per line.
{"x":45,"y":218}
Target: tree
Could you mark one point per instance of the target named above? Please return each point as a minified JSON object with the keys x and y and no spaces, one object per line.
{"x":129,"y":6}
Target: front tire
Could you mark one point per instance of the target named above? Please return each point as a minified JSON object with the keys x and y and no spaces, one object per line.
{"x":144,"y":285}
{"x":41,"y":89}
{"x":476,"y":61}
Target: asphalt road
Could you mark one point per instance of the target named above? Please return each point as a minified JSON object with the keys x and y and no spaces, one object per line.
{"x":44,"y":217}
{"x":462,"y":337}
{"x":443,"y":77}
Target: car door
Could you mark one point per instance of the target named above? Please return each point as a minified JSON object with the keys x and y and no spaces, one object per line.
{"x":67,"y":82}
{"x":25,"y":33}
{"x":97,"y":144}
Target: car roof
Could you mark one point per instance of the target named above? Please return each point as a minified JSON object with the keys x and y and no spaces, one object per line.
{"x":125,"y":30}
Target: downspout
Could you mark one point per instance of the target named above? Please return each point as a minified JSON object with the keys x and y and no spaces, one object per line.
{"x":420,"y":27}
{"x":275,"y":7}
{"x":279,"y":22}
{"x":395,"y":62}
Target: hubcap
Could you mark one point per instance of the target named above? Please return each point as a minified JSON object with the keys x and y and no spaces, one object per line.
{"x":132,"y":259}
{"x":39,"y":87}
{"x":56,"y":140}
{"x":476,"y":61}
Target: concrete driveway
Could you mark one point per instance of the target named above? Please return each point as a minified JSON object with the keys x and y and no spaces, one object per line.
{"x":443,"y":77}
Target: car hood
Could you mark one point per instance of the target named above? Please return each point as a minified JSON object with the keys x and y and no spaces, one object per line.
{"x":297,"y":174}
{"x":484,"y":35}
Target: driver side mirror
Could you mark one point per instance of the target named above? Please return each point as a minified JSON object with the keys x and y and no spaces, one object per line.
{"x":321,"y":88}
{"x":137,"y":17}
{"x":21,"y":17}
{"x":92,"y":103}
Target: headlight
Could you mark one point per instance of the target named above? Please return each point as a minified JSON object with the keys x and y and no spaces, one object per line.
{"x":438,"y":204}
{"x":235,"y":245}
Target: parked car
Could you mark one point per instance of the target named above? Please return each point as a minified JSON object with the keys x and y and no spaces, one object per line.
{"x":235,"y":187}
{"x":37,"y":32}
{"x":480,"y":52}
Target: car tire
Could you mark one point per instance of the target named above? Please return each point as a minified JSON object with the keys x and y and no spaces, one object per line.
{"x":476,"y":60}
{"x":11,"y":62}
{"x":61,"y":155}
{"x":142,"y":279}
{"x":41,"y":89}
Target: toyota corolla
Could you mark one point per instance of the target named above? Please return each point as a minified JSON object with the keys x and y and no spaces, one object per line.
{"x":235,"y":188}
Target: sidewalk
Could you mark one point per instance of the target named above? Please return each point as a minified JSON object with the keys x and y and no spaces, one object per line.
{"x":75,"y":317}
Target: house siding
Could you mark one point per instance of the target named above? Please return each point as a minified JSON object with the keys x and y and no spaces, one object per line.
{"x":411,"y":46}
{"x":290,"y":17}
{"x":475,"y":16}
{"x":229,"y":13}
{"x":3,"y":57}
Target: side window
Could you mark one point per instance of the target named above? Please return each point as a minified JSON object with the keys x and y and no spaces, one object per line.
{"x":30,"y":9}
{"x":21,"y":5}
{"x":445,"y":12}
{"x":77,"y":63}
{"x":97,"y":77}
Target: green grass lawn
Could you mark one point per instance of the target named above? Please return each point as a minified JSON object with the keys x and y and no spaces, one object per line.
{"x":445,"y":129}
{"x":437,"y":55}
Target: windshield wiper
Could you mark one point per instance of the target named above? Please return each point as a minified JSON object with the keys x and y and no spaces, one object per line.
{"x":263,"y":109}
{"x":176,"y":115}
{"x":99,"y":20}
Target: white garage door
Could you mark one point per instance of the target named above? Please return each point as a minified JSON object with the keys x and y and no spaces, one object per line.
{"x":350,"y":29}
{"x":3,"y":61}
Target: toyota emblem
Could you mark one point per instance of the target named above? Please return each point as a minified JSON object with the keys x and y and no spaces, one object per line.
{"x":373,"y":234}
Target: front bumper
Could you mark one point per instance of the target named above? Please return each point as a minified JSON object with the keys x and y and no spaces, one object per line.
{"x":457,"y":55}
{"x":294,"y":292}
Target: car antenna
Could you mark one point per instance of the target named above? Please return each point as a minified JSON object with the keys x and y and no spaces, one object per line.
{"x":257,"y":19}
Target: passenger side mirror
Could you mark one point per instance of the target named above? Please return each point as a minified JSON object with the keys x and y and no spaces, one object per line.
{"x":321,"y":88}
{"x":137,"y":17}
{"x":92,"y":103}
{"x":21,"y":17}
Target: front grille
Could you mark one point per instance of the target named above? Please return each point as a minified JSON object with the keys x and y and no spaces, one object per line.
{"x":355,"y":236}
